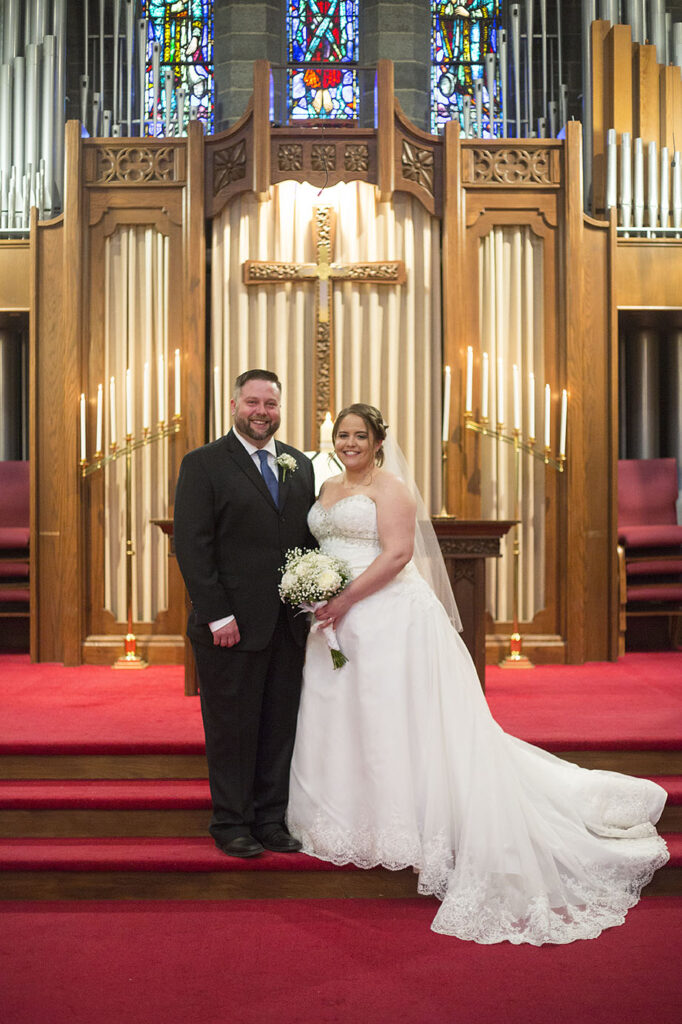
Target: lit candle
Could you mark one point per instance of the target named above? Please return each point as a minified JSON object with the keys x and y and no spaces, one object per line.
{"x":162,"y":390}
{"x":469,"y":394}
{"x":176,"y":406}
{"x":562,"y":431}
{"x":531,"y":406}
{"x":446,"y":404}
{"x":146,"y":398}
{"x":129,"y":404}
{"x":516,"y":395}
{"x":112,"y":410}
{"x":98,"y":433}
{"x":216,"y":402}
{"x":485,"y":386}
{"x":83,"y":445}
{"x":326,"y":427}
{"x":548,"y":399}
{"x":500,"y":393}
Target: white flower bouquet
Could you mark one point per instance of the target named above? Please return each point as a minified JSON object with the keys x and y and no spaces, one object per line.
{"x":309,"y":580}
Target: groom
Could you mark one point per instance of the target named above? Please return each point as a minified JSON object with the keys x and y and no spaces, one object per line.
{"x":240,"y":503}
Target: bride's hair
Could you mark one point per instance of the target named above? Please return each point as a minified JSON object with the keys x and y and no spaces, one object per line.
{"x":372,"y":419}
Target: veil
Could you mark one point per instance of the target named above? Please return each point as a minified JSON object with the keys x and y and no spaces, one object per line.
{"x":427,"y":554}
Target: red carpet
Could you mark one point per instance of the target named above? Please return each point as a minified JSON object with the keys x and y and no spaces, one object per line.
{"x":630,"y":703}
{"x":633,"y":703}
{"x":80,"y":710}
{"x":179,"y":853}
{"x":322,"y":962}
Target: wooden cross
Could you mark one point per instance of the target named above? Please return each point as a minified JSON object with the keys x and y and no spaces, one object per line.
{"x":323,"y":273}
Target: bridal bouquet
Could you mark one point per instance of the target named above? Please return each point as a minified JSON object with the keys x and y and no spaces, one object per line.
{"x":309,"y":580}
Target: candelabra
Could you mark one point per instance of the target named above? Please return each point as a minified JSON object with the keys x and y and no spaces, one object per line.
{"x":130,"y":658}
{"x":515,"y":658}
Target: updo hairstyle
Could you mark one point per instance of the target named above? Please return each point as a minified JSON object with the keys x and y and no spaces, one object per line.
{"x":372,"y":419}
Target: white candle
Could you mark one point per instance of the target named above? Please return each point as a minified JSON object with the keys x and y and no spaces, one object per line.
{"x":548,"y":399}
{"x":162,"y":390}
{"x":485,"y":387}
{"x":98,"y":433}
{"x":531,"y":406}
{"x":469,"y":394}
{"x":500,"y":393}
{"x":83,"y":444}
{"x":112,"y":410}
{"x":129,"y":404}
{"x":562,"y":431}
{"x":446,"y":405}
{"x":326,"y":428}
{"x":146,"y":398}
{"x":217,"y":403}
{"x":176,"y":406}
{"x":516,"y":395}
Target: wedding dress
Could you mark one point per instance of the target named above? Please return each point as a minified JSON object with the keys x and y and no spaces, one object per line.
{"x":399,"y":763}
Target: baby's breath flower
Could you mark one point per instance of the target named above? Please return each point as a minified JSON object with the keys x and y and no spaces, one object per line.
{"x":288,"y":464}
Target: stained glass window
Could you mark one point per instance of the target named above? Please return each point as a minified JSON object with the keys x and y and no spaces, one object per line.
{"x":461,"y":35}
{"x":322,"y":40}
{"x":184,"y":32}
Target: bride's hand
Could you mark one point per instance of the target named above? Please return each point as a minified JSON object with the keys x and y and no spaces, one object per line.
{"x":330,"y":613}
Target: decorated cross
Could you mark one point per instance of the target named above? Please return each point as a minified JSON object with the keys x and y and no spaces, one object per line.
{"x":323,"y":273}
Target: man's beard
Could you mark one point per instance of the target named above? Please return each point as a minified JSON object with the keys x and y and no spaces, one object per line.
{"x":244,"y":427}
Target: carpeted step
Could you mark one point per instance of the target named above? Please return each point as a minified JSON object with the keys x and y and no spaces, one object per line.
{"x":178,"y":869}
{"x":170,"y":808}
{"x":76,"y":808}
{"x":195,"y":869}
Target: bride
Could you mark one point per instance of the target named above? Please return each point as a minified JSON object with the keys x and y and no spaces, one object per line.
{"x":398,"y":762}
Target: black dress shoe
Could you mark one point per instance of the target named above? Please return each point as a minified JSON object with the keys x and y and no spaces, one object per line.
{"x":240,"y":846}
{"x":278,"y":840}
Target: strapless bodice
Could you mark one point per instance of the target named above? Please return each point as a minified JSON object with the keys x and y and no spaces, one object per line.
{"x":347,"y":530}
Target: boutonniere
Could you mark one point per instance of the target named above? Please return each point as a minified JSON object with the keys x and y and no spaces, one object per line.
{"x":288,"y":463}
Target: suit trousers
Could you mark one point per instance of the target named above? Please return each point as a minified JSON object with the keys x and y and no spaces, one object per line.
{"x":249,"y":705}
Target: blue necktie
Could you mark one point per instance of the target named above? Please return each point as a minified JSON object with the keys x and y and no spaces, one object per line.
{"x":269,"y":477}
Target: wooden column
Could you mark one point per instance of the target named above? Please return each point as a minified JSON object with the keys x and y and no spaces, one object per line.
{"x":261,"y":130}
{"x":194,"y":350}
{"x":456,"y":315}
{"x":599,"y":32}
{"x":646,"y":94}
{"x":386,"y":133}
{"x":573,"y":349}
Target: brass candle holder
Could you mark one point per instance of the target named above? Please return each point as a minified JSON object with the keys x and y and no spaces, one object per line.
{"x":444,"y":514}
{"x":516,"y":658}
{"x":130,"y":659}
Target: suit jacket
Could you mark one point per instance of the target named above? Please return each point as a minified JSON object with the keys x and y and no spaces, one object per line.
{"x":230,"y":538}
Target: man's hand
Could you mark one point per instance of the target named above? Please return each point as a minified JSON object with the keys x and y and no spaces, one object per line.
{"x":227,"y":635}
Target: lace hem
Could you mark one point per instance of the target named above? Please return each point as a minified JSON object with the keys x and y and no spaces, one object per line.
{"x":487,"y":908}
{"x":472,"y":911}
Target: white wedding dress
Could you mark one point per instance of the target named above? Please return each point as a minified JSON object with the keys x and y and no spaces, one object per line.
{"x":398,"y":762}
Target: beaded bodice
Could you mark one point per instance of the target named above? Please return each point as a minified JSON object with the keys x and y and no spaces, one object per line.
{"x":347,"y":530}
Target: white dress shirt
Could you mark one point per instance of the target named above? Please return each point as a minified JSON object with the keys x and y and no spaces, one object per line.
{"x":253,"y":452}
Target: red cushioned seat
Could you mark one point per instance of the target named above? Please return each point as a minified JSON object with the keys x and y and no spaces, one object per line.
{"x":13,"y":570}
{"x":14,"y":538}
{"x":655,"y":592}
{"x":650,"y":540}
{"x":643,"y":566}
{"x":647,"y":492}
{"x":14,"y":596}
{"x":14,"y":505}
{"x":658,"y":536}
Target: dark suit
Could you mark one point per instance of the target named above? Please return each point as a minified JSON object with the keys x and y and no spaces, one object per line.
{"x":230,"y":541}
